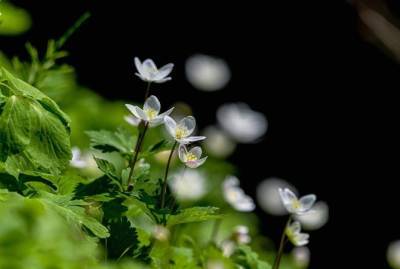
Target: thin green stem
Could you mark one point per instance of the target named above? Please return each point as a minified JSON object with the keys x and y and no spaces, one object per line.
{"x":123,"y":253}
{"x":138,"y":148}
{"x":146,"y":95}
{"x":281,"y":245}
{"x":164,"y":189}
{"x":215,"y":230}
{"x":61,"y":41}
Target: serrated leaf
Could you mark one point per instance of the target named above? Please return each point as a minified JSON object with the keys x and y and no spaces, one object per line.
{"x":247,"y":258}
{"x":34,"y":132}
{"x":120,"y":141}
{"x":194,"y":214}
{"x":109,"y":169}
{"x":74,"y":213}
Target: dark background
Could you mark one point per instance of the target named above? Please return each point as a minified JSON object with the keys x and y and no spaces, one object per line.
{"x":330,"y":98}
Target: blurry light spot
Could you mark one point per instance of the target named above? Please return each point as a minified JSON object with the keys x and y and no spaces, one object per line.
{"x":301,"y":256}
{"x":189,"y":184}
{"x":268,"y":195}
{"x":207,"y":73}
{"x":218,"y":143}
{"x":393,"y":254}
{"x":317,"y":217}
{"x":241,"y":122}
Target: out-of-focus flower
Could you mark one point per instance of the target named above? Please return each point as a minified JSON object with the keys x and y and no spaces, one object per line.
{"x":147,"y":71}
{"x":162,"y":157}
{"x":241,"y":122}
{"x":215,"y":264}
{"x":294,"y":234}
{"x":301,"y":256}
{"x":161,"y":233}
{"x":207,"y":73}
{"x":191,"y":158}
{"x":393,"y":254}
{"x":241,"y":234}
{"x":268,"y":195}
{"x":81,"y":160}
{"x":188,"y":185}
{"x":150,"y":111}
{"x":235,"y":196}
{"x":182,"y":130}
{"x":294,"y":205}
{"x":218,"y":143}
{"x":228,"y":247}
{"x":316,"y":217}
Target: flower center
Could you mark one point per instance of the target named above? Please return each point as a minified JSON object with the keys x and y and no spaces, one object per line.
{"x":181,"y":132}
{"x":151,"y":113}
{"x":296,"y":204}
{"x":191,"y":157}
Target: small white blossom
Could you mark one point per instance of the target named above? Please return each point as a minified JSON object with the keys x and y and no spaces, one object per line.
{"x":188,"y":185}
{"x":207,"y":73}
{"x":294,"y":234}
{"x":241,"y":234}
{"x":150,"y":111}
{"x":182,"y":130}
{"x":148,"y":71}
{"x":82,"y":160}
{"x":191,"y":158}
{"x":294,"y":205}
{"x":241,"y":122}
{"x":235,"y":196}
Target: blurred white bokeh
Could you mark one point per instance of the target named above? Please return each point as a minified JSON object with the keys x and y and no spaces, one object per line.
{"x":317,"y":217}
{"x":218,"y":144}
{"x":188,"y":185}
{"x":268,"y":195}
{"x":242,"y":123}
{"x":207,"y":73}
{"x":393,"y":254}
{"x":301,"y":256}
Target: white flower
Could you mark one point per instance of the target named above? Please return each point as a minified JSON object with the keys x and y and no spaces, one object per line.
{"x":150,"y":111}
{"x":241,"y":234}
{"x":293,"y":232}
{"x":218,"y":143}
{"x":301,"y":256}
{"x":293,"y":204}
{"x":316,"y":217}
{"x":393,"y":254}
{"x":188,"y":185}
{"x":191,"y":158}
{"x":182,"y":130}
{"x":228,"y":247}
{"x":241,"y":122}
{"x":207,"y":73}
{"x":147,"y":71}
{"x":235,"y":196}
{"x":82,"y":160}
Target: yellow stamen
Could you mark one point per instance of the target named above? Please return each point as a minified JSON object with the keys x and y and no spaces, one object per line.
{"x":150,"y":113}
{"x":191,"y":157}
{"x":181,"y":132}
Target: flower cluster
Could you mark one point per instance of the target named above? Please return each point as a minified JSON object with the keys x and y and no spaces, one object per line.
{"x":296,"y":206}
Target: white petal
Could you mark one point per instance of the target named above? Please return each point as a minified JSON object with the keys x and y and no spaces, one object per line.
{"x":182,"y":152}
{"x":196,"y":151}
{"x":149,"y":68}
{"x":141,"y":77}
{"x":191,"y":139}
{"x":152,"y":103}
{"x":245,"y":204}
{"x":170,"y":125}
{"x":301,"y":239}
{"x":166,"y":113}
{"x":295,"y":227}
{"x":307,"y":202}
{"x":196,"y":163}
{"x":189,"y":123}
{"x":164,"y":71}
{"x":162,"y":80}
{"x":132,"y":120}
{"x":136,"y":111}
{"x":138,"y":65}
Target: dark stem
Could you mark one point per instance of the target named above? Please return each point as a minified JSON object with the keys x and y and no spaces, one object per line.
{"x":281,"y":246}
{"x":164,"y":190}
{"x":138,"y":147}
{"x":60,"y":42}
{"x":146,"y":95}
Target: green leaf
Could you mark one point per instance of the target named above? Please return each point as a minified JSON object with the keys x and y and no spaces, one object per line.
{"x":74,"y":213}
{"x":194,"y":214}
{"x":120,"y":141}
{"x":247,"y":258}
{"x":109,"y":169}
{"x":34,"y":132}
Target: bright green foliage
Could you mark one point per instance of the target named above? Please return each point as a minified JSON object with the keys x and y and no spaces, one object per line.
{"x":13,"y":20}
